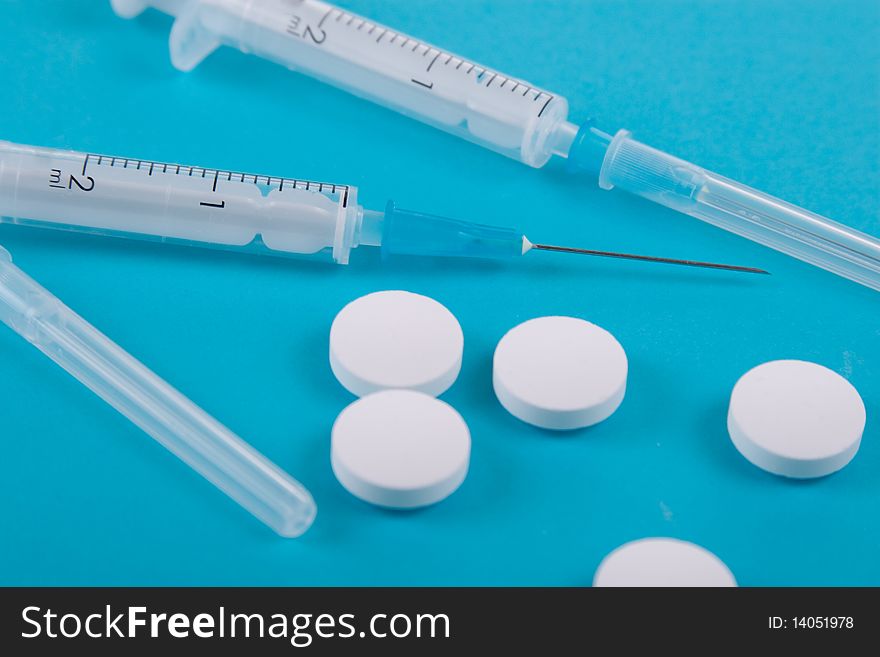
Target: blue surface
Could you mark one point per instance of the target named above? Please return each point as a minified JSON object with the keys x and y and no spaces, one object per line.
{"x":784,"y":96}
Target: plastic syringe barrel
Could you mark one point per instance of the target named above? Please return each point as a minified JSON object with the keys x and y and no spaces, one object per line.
{"x":687,"y":188}
{"x":183,"y":428}
{"x":370,"y":60}
{"x":191,"y":205}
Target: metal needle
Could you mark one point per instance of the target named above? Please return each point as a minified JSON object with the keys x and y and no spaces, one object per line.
{"x":630,"y":256}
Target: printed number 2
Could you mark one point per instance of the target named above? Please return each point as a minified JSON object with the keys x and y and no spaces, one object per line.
{"x":317,"y":38}
{"x":73,"y":181}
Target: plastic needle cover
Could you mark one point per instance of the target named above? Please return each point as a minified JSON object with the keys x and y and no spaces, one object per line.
{"x":195,"y":437}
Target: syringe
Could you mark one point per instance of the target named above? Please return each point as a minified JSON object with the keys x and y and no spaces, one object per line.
{"x":499,"y":112}
{"x":186,"y":430}
{"x":199,"y":206}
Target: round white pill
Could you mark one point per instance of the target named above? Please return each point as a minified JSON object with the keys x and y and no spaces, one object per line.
{"x":400,"y":449}
{"x":662,"y":562}
{"x":796,"y":419}
{"x":395,"y":339}
{"x":559,"y":373}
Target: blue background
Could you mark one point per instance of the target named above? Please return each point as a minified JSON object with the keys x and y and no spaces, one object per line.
{"x":781,"y":95}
